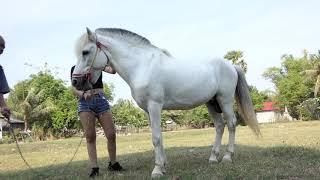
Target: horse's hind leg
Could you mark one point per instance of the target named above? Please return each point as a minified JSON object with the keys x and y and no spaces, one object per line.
{"x":219,"y":125}
{"x":229,"y":116}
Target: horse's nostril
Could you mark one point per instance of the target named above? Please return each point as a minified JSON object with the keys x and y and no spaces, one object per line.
{"x":74,"y":82}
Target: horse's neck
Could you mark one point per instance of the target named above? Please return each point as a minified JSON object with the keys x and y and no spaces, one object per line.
{"x":131,"y":62}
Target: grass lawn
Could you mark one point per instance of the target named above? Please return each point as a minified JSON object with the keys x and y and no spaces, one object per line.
{"x":286,"y":151}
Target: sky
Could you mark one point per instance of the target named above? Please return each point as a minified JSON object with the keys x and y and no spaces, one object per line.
{"x":43,"y":31}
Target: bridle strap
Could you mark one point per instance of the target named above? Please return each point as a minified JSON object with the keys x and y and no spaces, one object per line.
{"x":99,"y":47}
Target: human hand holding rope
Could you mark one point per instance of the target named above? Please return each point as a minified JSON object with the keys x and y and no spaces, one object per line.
{"x":6,"y":112}
{"x":87,"y":95}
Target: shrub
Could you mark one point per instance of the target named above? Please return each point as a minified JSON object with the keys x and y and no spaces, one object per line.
{"x":309,"y":109}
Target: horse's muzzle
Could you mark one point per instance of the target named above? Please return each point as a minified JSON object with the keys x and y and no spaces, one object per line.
{"x":81,"y":83}
{"x":78,"y":82}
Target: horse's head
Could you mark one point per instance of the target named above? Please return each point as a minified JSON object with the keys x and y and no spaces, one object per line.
{"x":92,"y":59}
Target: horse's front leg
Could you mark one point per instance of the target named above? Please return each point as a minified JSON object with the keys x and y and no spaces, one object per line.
{"x":154,"y":110}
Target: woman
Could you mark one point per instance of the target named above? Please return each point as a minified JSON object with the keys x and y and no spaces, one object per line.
{"x":93,"y":104}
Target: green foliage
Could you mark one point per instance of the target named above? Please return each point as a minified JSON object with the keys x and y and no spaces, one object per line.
{"x":314,"y":72}
{"x":198,"y":117}
{"x":274,"y":74}
{"x":310,"y":109}
{"x":175,"y":115}
{"x":108,"y":91}
{"x":35,"y":100}
{"x":38,"y":132}
{"x":237,"y":58}
{"x":257,"y":97}
{"x":125,"y":113}
{"x":52,"y":88}
{"x":291,"y":86}
{"x":66,"y":115}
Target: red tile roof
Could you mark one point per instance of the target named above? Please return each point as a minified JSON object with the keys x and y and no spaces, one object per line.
{"x":270,"y":106}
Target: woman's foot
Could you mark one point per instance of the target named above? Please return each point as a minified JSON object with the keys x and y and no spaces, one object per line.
{"x":94,"y":172}
{"x":114,"y":167}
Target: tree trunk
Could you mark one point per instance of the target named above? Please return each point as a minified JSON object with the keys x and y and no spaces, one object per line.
{"x":26,"y":124}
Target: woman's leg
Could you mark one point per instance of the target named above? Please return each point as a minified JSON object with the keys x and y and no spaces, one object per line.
{"x":106,"y":122}
{"x":88,"y":123}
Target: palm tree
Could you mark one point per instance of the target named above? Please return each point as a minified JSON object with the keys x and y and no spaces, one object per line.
{"x":314,"y":72}
{"x":27,"y":104}
{"x":30,"y":105}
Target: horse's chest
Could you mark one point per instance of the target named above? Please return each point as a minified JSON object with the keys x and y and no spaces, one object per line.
{"x":143,"y":93}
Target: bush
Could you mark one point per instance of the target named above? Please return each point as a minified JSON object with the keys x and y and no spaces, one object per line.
{"x":38,"y":132}
{"x":198,"y":117}
{"x":6,"y":138}
{"x":309,"y":109}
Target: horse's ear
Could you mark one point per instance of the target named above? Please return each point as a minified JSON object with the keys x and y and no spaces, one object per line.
{"x":91,"y":36}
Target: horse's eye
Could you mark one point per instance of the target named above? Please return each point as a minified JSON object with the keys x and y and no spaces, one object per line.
{"x":85,"y":53}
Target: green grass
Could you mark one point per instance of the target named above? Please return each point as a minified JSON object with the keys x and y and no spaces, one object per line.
{"x":286,"y":151}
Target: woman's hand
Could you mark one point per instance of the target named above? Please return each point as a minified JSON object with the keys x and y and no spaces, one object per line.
{"x":87,"y":95}
{"x":109,"y":69}
{"x":5,"y":111}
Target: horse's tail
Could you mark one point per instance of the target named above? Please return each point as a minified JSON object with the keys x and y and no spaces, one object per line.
{"x":245,"y":103}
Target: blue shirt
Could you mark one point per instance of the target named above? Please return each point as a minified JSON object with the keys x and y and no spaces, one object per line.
{"x":4,"y":88}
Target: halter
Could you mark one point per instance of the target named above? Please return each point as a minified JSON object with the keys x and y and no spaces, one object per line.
{"x":87,"y":75}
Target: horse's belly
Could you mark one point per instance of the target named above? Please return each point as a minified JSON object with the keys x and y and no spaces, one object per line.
{"x":188,"y":100}
{"x":180,"y":106}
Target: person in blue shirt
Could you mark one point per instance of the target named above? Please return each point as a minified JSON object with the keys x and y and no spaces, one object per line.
{"x":4,"y":88}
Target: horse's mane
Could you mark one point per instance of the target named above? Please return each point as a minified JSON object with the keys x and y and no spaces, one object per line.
{"x":117,"y":33}
{"x":122,"y":33}
{"x":80,"y":43}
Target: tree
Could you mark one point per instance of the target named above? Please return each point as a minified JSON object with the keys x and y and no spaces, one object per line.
{"x":17,"y":100}
{"x":309,"y":109}
{"x":198,"y":117}
{"x":314,"y":73}
{"x":174,"y":115}
{"x":125,"y":113}
{"x":108,"y":91}
{"x":257,"y":97}
{"x":236,"y":57}
{"x":65,"y":116}
{"x":34,"y":99}
{"x":291,"y":87}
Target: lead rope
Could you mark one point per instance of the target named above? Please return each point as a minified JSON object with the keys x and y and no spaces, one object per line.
{"x":25,"y":161}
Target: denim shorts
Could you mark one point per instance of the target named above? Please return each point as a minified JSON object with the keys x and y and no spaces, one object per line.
{"x":97,"y":104}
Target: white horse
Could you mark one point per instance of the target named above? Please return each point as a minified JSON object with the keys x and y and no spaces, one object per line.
{"x":160,"y":81}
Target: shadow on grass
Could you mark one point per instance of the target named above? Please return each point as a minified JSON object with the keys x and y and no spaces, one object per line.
{"x":280,"y":162}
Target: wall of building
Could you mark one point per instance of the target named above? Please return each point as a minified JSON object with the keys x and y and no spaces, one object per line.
{"x":267,"y":116}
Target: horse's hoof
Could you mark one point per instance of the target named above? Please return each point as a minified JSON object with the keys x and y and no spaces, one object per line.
{"x":227,"y":159}
{"x":213,"y":160}
{"x":157,"y":172}
{"x":156,"y":175}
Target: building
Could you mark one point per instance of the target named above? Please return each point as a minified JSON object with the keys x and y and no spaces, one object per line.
{"x":269,"y":113}
{"x":15,"y":123}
